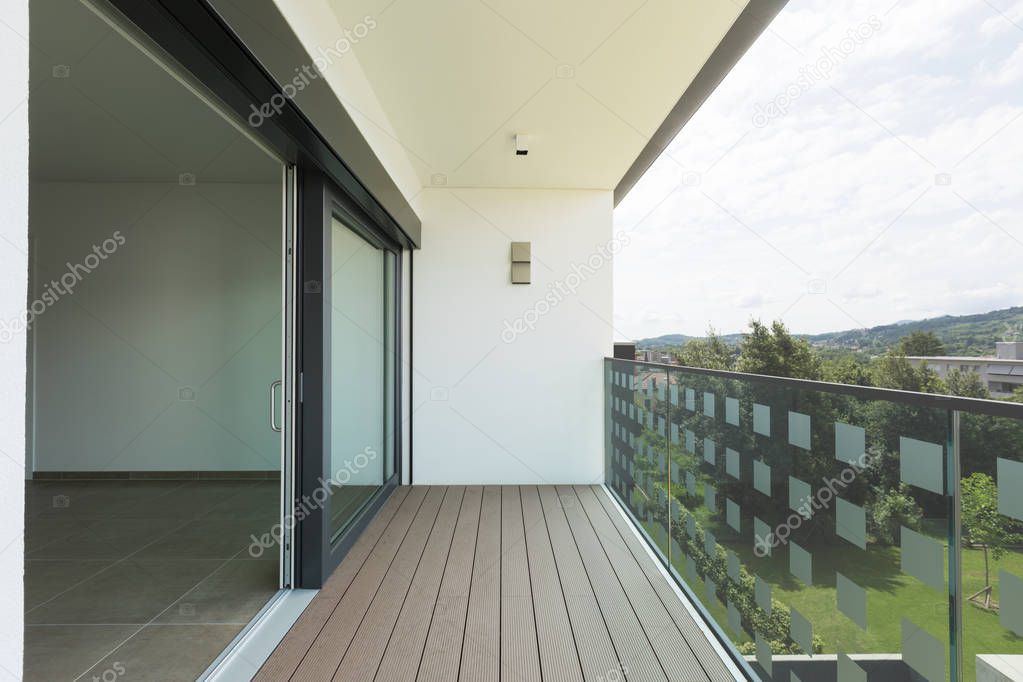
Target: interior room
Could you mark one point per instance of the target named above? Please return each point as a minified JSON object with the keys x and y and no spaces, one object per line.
{"x":153,"y":473}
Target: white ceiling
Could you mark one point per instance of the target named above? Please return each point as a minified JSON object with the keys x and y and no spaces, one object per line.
{"x":118,"y":116}
{"x":588,"y":81}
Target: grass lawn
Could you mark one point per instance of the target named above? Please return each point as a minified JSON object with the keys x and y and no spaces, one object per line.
{"x":891,"y":596}
{"x":983,"y":633}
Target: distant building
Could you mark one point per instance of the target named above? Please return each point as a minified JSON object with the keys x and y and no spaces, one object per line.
{"x":1002,"y":374}
{"x":659,"y":356}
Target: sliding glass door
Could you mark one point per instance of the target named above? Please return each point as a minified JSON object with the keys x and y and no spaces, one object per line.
{"x":350,"y":274}
{"x":362,"y":347}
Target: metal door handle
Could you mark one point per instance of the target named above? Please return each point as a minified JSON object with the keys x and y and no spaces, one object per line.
{"x":273,"y":406}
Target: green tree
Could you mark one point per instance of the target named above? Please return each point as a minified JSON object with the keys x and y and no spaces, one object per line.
{"x":982,"y":524}
{"x":965,"y":383}
{"x":1017,"y":395}
{"x":889,"y":510}
{"x":893,"y":370}
{"x":847,"y":370}
{"x":775,"y":352}
{"x":709,"y":353}
{"x":921,"y":343}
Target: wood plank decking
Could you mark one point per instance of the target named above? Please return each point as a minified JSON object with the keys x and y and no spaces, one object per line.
{"x":496,"y":583}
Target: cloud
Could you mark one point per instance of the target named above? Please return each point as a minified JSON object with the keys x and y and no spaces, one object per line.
{"x":894,"y":180}
{"x":750,"y":301}
{"x":1009,"y":72}
{"x":859,"y":291}
{"x":1003,"y":20}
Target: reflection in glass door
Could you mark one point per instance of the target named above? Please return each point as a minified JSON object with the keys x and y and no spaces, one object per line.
{"x":362,"y":341}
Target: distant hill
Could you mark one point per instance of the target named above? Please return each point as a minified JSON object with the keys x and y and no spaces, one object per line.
{"x":962,"y":334}
{"x":681,"y":339}
{"x":665,"y":341}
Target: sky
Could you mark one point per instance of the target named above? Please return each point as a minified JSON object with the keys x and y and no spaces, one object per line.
{"x":862,"y":164}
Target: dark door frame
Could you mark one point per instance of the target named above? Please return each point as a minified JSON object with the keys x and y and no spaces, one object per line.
{"x":320,"y":201}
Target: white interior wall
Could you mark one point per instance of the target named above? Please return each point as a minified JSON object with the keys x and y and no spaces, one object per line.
{"x":14,"y":266}
{"x":493,"y":405}
{"x":161,"y":358}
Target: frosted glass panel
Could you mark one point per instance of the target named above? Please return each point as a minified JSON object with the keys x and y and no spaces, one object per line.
{"x":921,"y":464}
{"x":851,"y":523}
{"x":801,"y":587}
{"x":923,"y":558}
{"x":922,"y":652}
{"x":851,"y":599}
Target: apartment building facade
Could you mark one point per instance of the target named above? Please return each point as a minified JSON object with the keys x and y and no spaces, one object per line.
{"x":1001,"y":373}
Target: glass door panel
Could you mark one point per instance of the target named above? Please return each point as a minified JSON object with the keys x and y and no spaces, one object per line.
{"x":361,"y":340}
{"x":390,"y":372}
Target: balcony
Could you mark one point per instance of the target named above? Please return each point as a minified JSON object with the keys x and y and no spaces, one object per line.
{"x":488,"y":583}
{"x":829,"y":531}
{"x":349,"y":359}
{"x":749,"y":527}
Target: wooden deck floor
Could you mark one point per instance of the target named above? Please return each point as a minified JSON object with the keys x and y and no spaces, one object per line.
{"x":496,"y":583}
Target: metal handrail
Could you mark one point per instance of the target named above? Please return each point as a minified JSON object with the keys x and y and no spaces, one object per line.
{"x":994,"y":408}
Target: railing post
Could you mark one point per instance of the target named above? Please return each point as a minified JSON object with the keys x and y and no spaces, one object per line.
{"x":667,"y":460}
{"x":955,"y":551}
{"x":609,"y":373}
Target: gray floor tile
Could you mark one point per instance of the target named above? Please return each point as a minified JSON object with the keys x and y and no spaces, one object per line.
{"x":64,"y":652}
{"x":112,"y":538}
{"x":207,"y":539}
{"x":97,"y":499}
{"x":40,"y":532}
{"x":194,"y":500}
{"x":45,"y":579}
{"x":131,"y":591}
{"x":104,"y":558}
{"x":168,"y":653}
{"x":234,"y":594}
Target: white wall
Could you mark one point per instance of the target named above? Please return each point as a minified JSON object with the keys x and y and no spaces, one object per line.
{"x":492,"y":406}
{"x":321,"y":32}
{"x":13,"y":288}
{"x":485,"y":411}
{"x":161,"y":357}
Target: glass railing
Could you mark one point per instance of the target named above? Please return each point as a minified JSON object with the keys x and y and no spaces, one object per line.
{"x":829,"y":532}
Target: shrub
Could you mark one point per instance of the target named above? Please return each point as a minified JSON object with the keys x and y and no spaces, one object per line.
{"x":774,"y":627}
{"x":889,"y":510}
